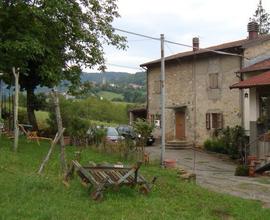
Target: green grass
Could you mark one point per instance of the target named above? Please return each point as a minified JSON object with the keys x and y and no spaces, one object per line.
{"x":26,"y":195}
{"x":42,"y":117}
{"x":110,"y":95}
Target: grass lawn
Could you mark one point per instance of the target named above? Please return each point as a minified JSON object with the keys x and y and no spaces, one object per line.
{"x":42,"y":117}
{"x":26,"y":195}
{"x":110,"y":95}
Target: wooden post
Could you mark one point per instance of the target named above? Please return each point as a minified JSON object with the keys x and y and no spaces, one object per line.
{"x":55,"y":140}
{"x":16,"y":104}
{"x":60,"y":128}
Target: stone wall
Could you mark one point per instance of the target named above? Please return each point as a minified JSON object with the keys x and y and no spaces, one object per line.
{"x":180,"y":91}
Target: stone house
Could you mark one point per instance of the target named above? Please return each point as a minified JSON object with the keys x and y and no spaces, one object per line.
{"x":197,"y":88}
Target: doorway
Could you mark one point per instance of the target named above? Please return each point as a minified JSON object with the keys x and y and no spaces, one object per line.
{"x":180,"y":125}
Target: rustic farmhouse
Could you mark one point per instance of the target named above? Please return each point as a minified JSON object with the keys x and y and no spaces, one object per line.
{"x":206,"y":90}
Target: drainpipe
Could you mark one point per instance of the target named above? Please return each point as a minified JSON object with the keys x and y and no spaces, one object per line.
{"x":241,"y":101}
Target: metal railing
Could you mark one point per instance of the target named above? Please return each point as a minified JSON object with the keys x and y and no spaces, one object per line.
{"x":254,"y":144}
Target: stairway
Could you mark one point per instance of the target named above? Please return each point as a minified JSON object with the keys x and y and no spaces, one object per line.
{"x":178,"y":144}
{"x":263,"y":165}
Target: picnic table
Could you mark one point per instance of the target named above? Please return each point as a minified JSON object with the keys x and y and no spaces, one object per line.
{"x":113,"y":175}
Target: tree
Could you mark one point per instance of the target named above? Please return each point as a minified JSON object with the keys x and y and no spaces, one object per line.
{"x":55,"y":39}
{"x":262,"y":18}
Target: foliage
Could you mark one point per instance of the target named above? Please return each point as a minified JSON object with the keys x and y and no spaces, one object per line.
{"x":22,"y":116}
{"x":234,"y":139}
{"x":110,"y":95}
{"x":119,"y":78}
{"x":230,"y":140}
{"x":77,"y":130}
{"x":143,"y":128}
{"x":215,"y":145}
{"x":241,"y":170}
{"x":96,"y":134}
{"x":50,"y":40}
{"x":85,"y":111}
{"x":262,"y":18}
{"x":27,"y":195}
{"x":1,"y":120}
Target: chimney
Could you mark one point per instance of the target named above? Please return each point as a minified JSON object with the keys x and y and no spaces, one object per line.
{"x":253,"y":30}
{"x":195,"y":43}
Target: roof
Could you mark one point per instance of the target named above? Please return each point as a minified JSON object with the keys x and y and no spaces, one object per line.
{"x":262,"y":79}
{"x":263,"y":65}
{"x":220,"y":47}
{"x":138,"y":110}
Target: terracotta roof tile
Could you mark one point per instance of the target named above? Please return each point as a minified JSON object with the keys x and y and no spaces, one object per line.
{"x":263,"y":65}
{"x":259,"y":80}
{"x":233,"y":44}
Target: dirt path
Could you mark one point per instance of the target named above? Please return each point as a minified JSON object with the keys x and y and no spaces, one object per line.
{"x":216,"y":172}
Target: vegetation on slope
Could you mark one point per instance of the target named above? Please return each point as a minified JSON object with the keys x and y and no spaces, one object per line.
{"x":26,"y":195}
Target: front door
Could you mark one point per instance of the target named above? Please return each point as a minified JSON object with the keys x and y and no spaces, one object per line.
{"x":179,"y":125}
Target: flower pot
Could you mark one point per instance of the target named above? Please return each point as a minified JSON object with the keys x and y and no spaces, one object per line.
{"x":170,"y":163}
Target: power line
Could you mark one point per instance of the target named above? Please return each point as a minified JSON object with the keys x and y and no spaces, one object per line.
{"x":123,"y":66}
{"x":180,"y":44}
{"x":137,"y":34}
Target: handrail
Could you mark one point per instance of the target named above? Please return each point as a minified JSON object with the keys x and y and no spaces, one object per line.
{"x":257,"y":139}
{"x":252,"y":142}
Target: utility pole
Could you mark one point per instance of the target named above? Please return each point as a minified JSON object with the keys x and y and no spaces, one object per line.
{"x":162,"y":100}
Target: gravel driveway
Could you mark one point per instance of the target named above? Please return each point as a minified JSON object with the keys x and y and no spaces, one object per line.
{"x":216,"y":172}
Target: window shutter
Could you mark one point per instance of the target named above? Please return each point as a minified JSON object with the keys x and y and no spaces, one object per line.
{"x":208,"y":127}
{"x":220,"y":120}
{"x":213,"y":80}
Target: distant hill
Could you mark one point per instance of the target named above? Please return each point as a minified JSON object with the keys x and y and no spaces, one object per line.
{"x":138,"y":78}
{"x":119,"y":78}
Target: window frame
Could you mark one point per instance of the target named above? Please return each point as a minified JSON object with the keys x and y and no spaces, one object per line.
{"x":214,"y":120}
{"x":213,"y":80}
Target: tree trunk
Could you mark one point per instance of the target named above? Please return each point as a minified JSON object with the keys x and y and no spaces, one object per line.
{"x":30,"y":108}
{"x":60,"y":128}
{"x":16,"y":105}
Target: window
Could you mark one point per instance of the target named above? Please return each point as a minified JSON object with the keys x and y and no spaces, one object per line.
{"x":155,"y":120}
{"x":157,"y":86}
{"x":265,"y":106}
{"x":213,"y":81}
{"x":214,"y":121}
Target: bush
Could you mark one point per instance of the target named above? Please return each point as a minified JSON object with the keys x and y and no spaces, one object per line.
{"x":22,"y":116}
{"x":144,"y":128}
{"x":230,"y":140}
{"x":215,"y":145}
{"x":241,"y":170}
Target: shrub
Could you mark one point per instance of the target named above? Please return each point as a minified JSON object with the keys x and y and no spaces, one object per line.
{"x":230,"y":140}
{"x":215,"y":145}
{"x":22,"y":116}
{"x":241,"y":170}
{"x":144,"y":128}
{"x":208,"y":145}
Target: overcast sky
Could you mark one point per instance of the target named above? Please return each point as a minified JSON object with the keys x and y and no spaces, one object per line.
{"x":213,"y":21}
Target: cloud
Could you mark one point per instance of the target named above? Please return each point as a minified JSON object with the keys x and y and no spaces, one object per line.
{"x":213,"y":21}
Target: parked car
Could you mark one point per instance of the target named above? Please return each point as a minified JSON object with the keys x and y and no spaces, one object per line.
{"x":113,"y":136}
{"x":128,"y":132}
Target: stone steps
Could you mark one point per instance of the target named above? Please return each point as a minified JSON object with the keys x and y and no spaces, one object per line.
{"x":178,"y":144}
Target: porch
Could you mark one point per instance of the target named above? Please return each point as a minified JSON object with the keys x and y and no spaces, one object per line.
{"x":256,"y":109}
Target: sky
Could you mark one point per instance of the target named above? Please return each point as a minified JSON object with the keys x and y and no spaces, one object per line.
{"x":213,"y":21}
